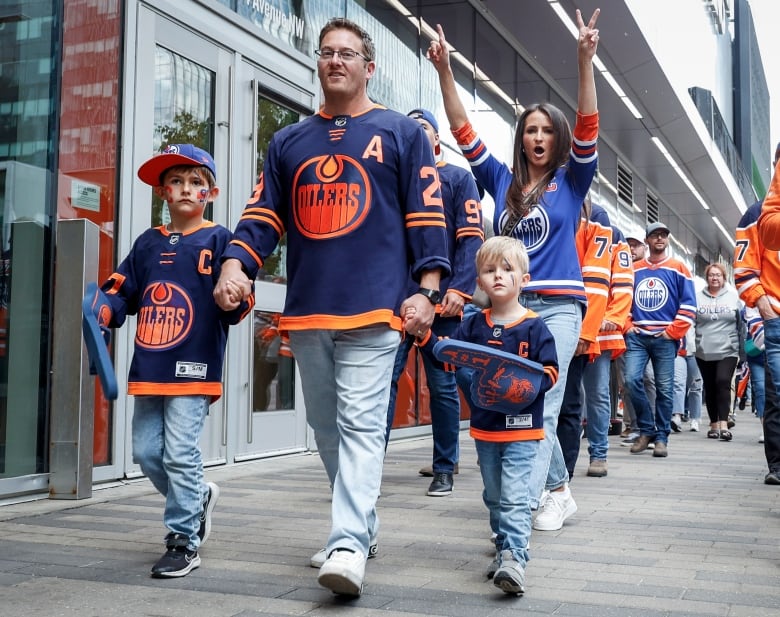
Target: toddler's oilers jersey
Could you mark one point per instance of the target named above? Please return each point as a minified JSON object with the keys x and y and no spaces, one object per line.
{"x":168,"y":281}
{"x":527,"y":337}
{"x":360,"y":201}
{"x":664,"y":298}
{"x":548,"y":230}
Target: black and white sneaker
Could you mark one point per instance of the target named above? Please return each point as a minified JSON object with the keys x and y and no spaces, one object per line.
{"x":208,"y":508}
{"x":441,"y":485}
{"x":178,"y":560}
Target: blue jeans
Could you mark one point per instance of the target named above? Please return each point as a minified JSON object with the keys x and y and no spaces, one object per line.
{"x":444,"y":401}
{"x":345,"y":377}
{"x":772,"y":389}
{"x":506,"y":470}
{"x":166,"y":434}
{"x":563,"y":317}
{"x":693,"y":387}
{"x":757,"y":382}
{"x":660,"y":352}
{"x":598,"y":407}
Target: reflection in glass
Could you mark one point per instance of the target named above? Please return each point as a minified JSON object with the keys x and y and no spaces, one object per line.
{"x":183,"y":111}
{"x":270,"y":118}
{"x":273,"y":377}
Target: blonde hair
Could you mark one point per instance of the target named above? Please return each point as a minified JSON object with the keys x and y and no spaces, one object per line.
{"x":503,"y":247}
{"x":718,"y":266}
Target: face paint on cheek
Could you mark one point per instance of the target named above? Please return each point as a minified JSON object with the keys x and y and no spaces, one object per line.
{"x":203,"y":193}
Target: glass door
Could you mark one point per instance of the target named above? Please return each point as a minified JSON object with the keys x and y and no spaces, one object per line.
{"x":181,"y":95}
{"x":274,"y":418}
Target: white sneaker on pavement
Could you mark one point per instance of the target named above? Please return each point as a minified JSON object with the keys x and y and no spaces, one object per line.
{"x":559,"y":506}
{"x":343,"y":572}
{"x":695,"y":426}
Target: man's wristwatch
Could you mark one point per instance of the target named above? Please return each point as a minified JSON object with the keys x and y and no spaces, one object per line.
{"x":433,"y":295}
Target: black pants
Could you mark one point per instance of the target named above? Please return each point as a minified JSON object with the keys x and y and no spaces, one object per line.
{"x":570,"y":417}
{"x":716,"y":376}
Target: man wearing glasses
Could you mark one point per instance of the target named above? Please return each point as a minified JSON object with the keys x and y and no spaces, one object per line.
{"x":355,"y":189}
{"x":664,"y":308}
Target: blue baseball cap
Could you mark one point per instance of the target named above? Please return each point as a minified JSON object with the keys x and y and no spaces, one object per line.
{"x":424,"y":114}
{"x":172,"y":156}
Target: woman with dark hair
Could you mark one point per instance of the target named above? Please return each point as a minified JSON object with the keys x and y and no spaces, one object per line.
{"x":718,"y":323}
{"x":538,"y":201}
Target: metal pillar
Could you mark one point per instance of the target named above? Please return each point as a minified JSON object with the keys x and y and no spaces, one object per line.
{"x":73,"y":388}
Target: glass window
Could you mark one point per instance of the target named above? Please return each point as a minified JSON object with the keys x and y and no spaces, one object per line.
{"x":183,"y":111}
{"x":273,"y":380}
{"x":270,"y":118}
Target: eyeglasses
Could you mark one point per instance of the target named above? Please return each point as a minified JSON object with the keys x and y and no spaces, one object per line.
{"x":346,"y":55}
{"x":659,"y":234}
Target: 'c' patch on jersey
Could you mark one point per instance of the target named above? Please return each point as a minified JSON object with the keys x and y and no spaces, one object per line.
{"x":165,"y":318}
{"x":651,"y":294}
{"x":331,"y":196}
{"x":533,"y":230}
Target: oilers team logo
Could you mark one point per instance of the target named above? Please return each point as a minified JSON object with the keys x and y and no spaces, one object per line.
{"x":331,"y":196}
{"x":533,"y":230}
{"x":651,"y":294}
{"x":165,"y":318}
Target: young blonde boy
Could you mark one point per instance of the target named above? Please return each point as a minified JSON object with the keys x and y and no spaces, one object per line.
{"x":505,"y":446}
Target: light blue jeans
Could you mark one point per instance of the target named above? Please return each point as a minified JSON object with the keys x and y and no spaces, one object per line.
{"x":691,"y":403}
{"x":757,"y":379}
{"x":166,"y":435}
{"x":506,"y":470}
{"x":345,"y":377}
{"x":598,"y":407}
{"x":563,"y":317}
{"x":654,"y":420}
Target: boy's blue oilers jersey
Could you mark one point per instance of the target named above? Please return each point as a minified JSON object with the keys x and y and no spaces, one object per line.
{"x":549,"y":229}
{"x":664,"y":298}
{"x":360,"y":200}
{"x":168,"y":281}
{"x":528,"y":337}
{"x":465,"y":229}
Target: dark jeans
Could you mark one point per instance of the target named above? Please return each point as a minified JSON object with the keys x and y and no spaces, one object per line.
{"x":570,"y":418}
{"x":444,"y":400}
{"x":772,"y":405}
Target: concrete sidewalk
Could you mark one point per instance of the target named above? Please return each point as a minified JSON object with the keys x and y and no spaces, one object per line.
{"x":697,"y":533}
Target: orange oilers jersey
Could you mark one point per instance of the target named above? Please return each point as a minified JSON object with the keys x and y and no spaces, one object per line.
{"x":360,"y":201}
{"x":756,"y":268}
{"x":621,"y":295}
{"x":769,"y":223}
{"x":168,"y":281}
{"x":594,"y":241}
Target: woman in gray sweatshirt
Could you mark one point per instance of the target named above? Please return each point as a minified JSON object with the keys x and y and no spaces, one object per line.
{"x":717,"y":346}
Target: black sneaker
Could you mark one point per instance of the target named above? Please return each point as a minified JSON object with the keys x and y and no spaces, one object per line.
{"x":178,"y":560}
{"x":773,"y":477}
{"x":205,"y":516}
{"x":441,"y":485}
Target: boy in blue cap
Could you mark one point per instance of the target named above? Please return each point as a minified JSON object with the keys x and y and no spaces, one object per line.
{"x":167,"y":280}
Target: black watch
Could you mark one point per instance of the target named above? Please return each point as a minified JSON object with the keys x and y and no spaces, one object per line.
{"x":432,"y":294}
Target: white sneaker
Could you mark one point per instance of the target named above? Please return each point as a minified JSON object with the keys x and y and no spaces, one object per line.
{"x":695,"y":426}
{"x":676,"y":422}
{"x":558,"y":507}
{"x":543,"y":499}
{"x":343,"y":572}
{"x":761,"y":437}
{"x":321,"y":556}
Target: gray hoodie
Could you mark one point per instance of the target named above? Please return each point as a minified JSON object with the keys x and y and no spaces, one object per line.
{"x":717,"y":324}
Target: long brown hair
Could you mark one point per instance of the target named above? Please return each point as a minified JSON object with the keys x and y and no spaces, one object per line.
{"x":518,"y":202}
